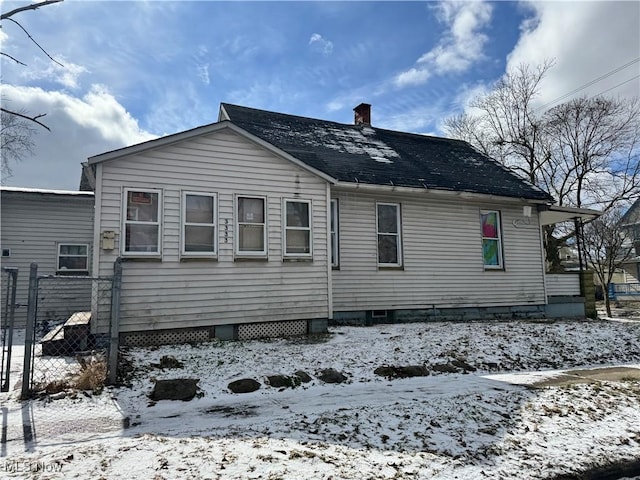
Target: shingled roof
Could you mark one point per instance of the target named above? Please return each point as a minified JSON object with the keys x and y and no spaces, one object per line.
{"x":368,"y":155}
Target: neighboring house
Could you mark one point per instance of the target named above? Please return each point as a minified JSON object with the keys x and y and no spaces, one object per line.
{"x":52,"y":228}
{"x":265,"y":223}
{"x":631,"y":223}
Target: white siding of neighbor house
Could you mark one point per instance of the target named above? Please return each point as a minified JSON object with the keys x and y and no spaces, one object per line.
{"x":442,"y":255}
{"x":32,"y":226}
{"x":170,"y":293}
{"x":563,"y":284}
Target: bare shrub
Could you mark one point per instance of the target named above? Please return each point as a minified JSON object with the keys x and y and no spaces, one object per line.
{"x":92,"y":375}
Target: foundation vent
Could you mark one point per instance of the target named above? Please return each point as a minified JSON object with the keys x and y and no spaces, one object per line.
{"x":248,"y":331}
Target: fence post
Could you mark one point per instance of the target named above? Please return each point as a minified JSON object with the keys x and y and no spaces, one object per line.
{"x":114,"y":342}
{"x":8,"y":325}
{"x":30,"y":332}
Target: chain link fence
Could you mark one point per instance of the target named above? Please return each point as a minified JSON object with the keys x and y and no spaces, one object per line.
{"x":68,"y":333}
{"x":9,"y":283}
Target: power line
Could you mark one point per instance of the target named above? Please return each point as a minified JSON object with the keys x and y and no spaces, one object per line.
{"x":618,"y":85}
{"x":588,"y":84}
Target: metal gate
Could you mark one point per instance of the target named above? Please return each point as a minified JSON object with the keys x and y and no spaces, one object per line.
{"x":8,"y":317}
{"x":69,"y":333}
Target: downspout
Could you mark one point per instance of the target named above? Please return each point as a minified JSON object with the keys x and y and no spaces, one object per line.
{"x":328,"y":256}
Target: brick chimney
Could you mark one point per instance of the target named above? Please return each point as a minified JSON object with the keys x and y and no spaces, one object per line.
{"x":363,"y":114}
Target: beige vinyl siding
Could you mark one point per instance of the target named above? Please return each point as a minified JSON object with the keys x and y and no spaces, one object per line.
{"x":33,"y":224}
{"x":174,"y":292}
{"x":442,"y":256}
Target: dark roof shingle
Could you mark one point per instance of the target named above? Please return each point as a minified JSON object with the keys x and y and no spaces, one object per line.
{"x":365,"y":154}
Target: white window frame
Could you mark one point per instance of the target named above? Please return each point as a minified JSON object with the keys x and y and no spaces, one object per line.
{"x":185,"y":224}
{"x":286,"y":228}
{"x":125,"y":222}
{"x":237,"y":223}
{"x":398,"y":234}
{"x":72,"y":270}
{"x":335,"y":233}
{"x":499,"y":238}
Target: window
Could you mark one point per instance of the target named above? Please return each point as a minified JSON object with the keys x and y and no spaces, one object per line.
{"x":198,"y":224}
{"x":251,"y":238}
{"x":491,"y":239}
{"x":335,"y":250}
{"x":142,"y":222}
{"x":73,"y":257}
{"x":389,"y":241}
{"x":297,"y":228}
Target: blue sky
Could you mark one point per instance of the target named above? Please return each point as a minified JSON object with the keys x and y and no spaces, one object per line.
{"x":136,"y":70}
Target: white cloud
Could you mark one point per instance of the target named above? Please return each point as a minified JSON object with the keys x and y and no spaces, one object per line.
{"x":416,"y":118}
{"x":202,"y":66}
{"x":334,"y":106}
{"x":461,"y":46}
{"x":321,"y":44}
{"x":587,"y":40}
{"x":80,"y":128}
{"x":413,"y":76}
{"x":66,"y":75}
{"x":203,"y":73}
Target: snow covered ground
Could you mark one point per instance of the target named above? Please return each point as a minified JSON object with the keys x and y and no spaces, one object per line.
{"x":476,"y":423}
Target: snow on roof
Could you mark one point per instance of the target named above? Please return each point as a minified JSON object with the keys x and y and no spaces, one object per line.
{"x":370,"y":155}
{"x":45,"y":191}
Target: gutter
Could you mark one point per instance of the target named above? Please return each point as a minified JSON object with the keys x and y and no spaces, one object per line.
{"x":366,"y":187}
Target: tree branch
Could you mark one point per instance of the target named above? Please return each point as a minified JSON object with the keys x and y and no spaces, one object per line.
{"x":33,"y":6}
{"x":14,"y":59}
{"x":26,"y":117}
{"x":36,"y":43}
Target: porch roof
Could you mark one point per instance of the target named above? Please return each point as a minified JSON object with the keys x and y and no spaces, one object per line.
{"x":557,"y":214}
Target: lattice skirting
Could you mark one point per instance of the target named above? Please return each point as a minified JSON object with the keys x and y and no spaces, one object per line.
{"x":245,"y":331}
{"x":248,"y":331}
{"x":164,"y":337}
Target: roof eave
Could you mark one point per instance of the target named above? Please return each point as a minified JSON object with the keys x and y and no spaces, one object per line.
{"x":46,"y":191}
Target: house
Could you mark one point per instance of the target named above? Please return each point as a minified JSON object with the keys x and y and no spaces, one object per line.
{"x":631,"y":223}
{"x":53,"y":228}
{"x":265,"y":224}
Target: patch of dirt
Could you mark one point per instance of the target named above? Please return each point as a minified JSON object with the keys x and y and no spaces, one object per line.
{"x":621,"y":309}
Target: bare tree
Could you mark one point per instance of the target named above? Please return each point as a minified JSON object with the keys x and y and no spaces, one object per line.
{"x":16,"y":128}
{"x":584,"y":152}
{"x":594,"y":150}
{"x":606,"y":248}
{"x":16,"y":141}
{"x":507,"y":127}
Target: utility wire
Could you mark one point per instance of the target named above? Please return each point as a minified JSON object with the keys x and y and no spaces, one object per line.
{"x":618,"y":85}
{"x":588,"y":84}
